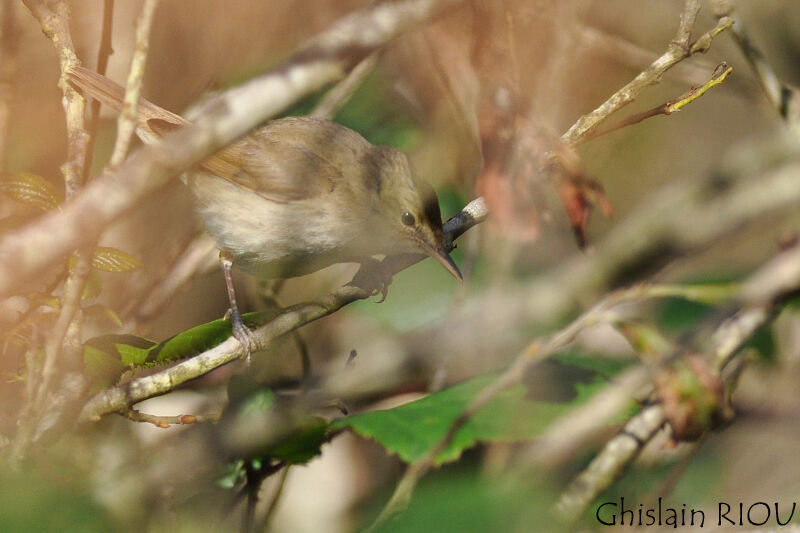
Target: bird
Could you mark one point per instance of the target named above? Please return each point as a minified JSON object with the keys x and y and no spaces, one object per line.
{"x":296,"y":195}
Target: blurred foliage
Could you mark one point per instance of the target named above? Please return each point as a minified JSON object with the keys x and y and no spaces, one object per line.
{"x":459,"y":500}
{"x":29,"y":503}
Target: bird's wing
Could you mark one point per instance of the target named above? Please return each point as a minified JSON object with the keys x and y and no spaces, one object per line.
{"x":109,"y":93}
{"x":283,"y":162}
{"x":276,"y":161}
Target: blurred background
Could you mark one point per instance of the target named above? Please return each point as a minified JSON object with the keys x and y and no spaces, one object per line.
{"x":476,"y":99}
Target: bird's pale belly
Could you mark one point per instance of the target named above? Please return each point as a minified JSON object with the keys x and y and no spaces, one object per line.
{"x":271,"y":239}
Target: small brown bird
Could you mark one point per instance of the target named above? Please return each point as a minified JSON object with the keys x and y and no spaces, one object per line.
{"x":296,"y":195}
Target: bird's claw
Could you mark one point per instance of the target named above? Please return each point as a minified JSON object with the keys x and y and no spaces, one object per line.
{"x":374,"y":277}
{"x":242,"y":333}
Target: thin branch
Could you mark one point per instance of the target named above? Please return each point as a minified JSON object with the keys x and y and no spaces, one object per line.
{"x":667,"y":108}
{"x":104,"y":51}
{"x":118,"y":398}
{"x":335,"y":99}
{"x":70,"y":306}
{"x":126,"y":122}
{"x":54,"y":21}
{"x":568,"y":435}
{"x":9,"y":45}
{"x":678,"y":50}
{"x":24,"y":254}
{"x":629,"y":54}
{"x":165,"y":421}
{"x":783,"y":97}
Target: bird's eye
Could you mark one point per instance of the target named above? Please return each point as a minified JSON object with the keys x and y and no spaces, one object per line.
{"x":408,"y":219}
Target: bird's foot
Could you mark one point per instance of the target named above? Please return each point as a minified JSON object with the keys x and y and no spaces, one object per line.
{"x":242,"y":333}
{"x":373,"y":276}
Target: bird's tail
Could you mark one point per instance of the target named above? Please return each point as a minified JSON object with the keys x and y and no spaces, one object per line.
{"x":153,"y":121}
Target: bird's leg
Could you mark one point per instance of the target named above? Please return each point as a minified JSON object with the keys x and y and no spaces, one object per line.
{"x":240,"y":329}
{"x":373,"y":276}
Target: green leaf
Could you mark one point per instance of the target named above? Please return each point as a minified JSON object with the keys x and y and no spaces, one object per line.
{"x":414,"y":428}
{"x":203,"y":337}
{"x":304,"y":443}
{"x":110,"y":259}
{"x":132,"y":351}
{"x":31,"y":190}
{"x":102,"y":367}
{"x":106,"y":357}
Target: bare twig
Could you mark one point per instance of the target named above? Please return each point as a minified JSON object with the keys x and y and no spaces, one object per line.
{"x":337,"y":97}
{"x":326,"y":58}
{"x":54,"y":21}
{"x":104,"y":51}
{"x":679,"y":49}
{"x":118,"y":398}
{"x":783,"y":97}
{"x":126,"y":123}
{"x":720,"y":73}
{"x":9,"y":35}
{"x":164,"y":421}
{"x":70,"y":306}
{"x":617,"y":48}
{"x":568,"y":434}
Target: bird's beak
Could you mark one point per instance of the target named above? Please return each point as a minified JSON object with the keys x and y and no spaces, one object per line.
{"x":444,"y":259}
